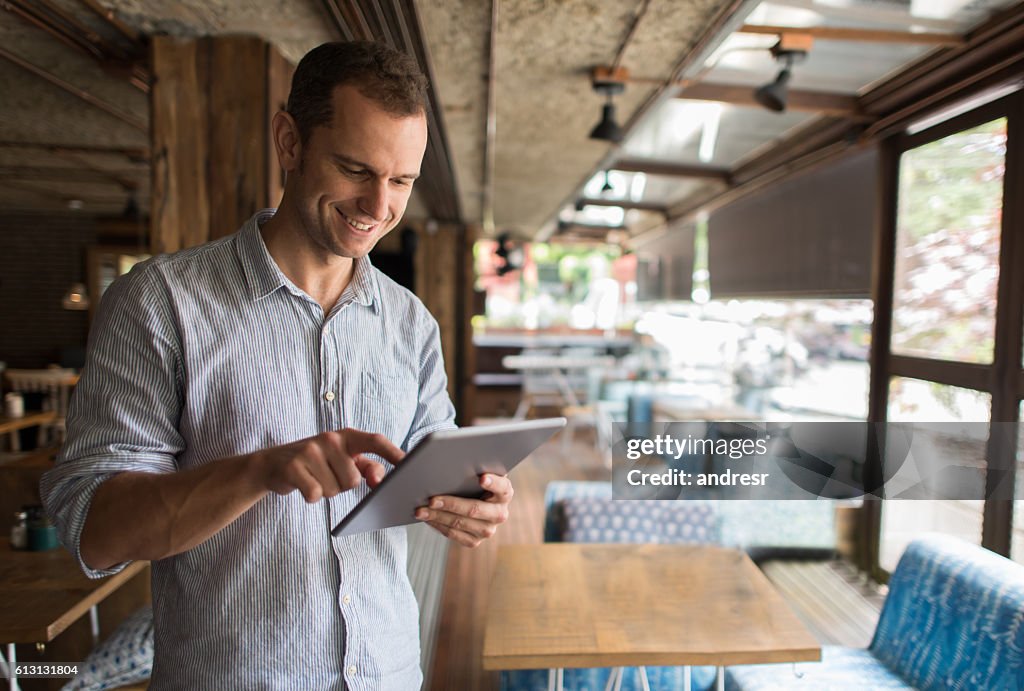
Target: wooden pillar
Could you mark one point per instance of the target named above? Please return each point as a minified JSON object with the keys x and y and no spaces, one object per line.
{"x":214,"y":164}
{"x":443,"y":280}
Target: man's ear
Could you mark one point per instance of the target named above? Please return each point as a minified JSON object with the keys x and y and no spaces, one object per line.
{"x":287,"y":141}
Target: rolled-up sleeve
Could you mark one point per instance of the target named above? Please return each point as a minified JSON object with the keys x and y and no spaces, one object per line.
{"x":434,"y":409}
{"x":125,"y":410}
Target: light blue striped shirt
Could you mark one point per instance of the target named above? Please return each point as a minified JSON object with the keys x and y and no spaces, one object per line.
{"x":213,"y":352}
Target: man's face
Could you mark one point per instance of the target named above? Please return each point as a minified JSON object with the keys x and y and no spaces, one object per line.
{"x":356,"y":175}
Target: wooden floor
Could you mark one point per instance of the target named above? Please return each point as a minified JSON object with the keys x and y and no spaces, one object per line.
{"x":460,"y":640}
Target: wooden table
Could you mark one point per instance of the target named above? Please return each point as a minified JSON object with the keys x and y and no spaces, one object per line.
{"x":563,"y":605}
{"x":43,"y":593}
{"x":558,"y":366}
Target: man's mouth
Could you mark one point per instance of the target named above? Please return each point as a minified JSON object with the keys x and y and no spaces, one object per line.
{"x":361,"y":227}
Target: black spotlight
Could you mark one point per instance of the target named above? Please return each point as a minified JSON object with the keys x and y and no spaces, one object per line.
{"x":607,"y":186}
{"x":608,"y":83}
{"x":773,"y":95}
{"x":607,"y":130}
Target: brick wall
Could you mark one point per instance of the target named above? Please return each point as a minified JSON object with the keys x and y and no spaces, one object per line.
{"x":40,"y":257}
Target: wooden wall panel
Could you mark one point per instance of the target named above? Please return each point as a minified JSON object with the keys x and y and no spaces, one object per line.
{"x":238,"y":131}
{"x":438,"y":284}
{"x":214,"y":163}
{"x":180,"y":205}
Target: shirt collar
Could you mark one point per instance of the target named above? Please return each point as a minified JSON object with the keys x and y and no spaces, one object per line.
{"x":264,"y":276}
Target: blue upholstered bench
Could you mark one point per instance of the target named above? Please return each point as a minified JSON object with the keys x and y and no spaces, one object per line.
{"x":762,"y":528}
{"x":953,"y":619}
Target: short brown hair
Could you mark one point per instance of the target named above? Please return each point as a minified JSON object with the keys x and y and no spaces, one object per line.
{"x":387,"y":76}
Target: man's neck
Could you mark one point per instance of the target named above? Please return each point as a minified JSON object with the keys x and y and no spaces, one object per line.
{"x":320,"y":274}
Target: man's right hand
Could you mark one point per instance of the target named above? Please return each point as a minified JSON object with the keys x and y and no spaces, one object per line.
{"x":153,"y":516}
{"x":325,"y":465}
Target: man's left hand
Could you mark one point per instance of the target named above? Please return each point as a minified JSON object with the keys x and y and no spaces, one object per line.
{"x":470,"y":521}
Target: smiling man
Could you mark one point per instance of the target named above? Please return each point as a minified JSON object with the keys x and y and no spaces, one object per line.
{"x":235,"y":392}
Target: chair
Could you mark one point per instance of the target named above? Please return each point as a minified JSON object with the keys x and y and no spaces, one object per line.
{"x":55,"y":384}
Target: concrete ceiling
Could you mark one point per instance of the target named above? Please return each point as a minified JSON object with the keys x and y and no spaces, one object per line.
{"x":545,"y":106}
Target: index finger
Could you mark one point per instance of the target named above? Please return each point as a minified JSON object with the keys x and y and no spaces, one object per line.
{"x":358,"y":441}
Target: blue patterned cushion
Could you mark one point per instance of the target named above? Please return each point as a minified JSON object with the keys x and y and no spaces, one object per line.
{"x":584,"y":519}
{"x":126,"y":657}
{"x":660,"y":678}
{"x":557,"y":491}
{"x":840,"y":669}
{"x":690,"y":522}
{"x":607,"y":520}
{"x":954,"y":618}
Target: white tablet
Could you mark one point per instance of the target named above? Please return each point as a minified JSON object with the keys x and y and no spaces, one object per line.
{"x":448,"y":462}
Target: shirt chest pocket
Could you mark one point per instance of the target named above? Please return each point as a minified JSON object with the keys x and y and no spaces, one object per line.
{"x":386,"y":404}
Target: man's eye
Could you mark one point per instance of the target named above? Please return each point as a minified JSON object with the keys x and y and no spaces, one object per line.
{"x":402,"y":182}
{"x":352,"y":172}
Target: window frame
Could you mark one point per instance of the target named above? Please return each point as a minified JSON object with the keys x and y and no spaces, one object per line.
{"x":1003,"y":379}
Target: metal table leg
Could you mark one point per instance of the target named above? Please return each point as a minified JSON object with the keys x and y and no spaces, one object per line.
{"x":720,"y":679}
{"x":687,"y":682}
{"x":555,"y":679}
{"x":94,"y":625}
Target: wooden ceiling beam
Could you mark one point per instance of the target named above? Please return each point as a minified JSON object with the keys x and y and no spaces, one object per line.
{"x":134,"y":154}
{"x":624,"y":204}
{"x":81,"y":94}
{"x":840,"y":105}
{"x":835,"y":33}
{"x":678,"y":170}
{"x":53,"y":174}
{"x":110,"y":18}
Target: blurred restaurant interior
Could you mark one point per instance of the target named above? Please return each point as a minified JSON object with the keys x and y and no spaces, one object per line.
{"x":629,"y":213}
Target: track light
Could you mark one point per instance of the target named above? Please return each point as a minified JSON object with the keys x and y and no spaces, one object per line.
{"x":773,"y":95}
{"x":608,"y":82}
{"x":607,"y":186}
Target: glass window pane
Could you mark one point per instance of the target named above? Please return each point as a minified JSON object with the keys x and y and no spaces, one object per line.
{"x":947,"y":246}
{"x":913,"y":400}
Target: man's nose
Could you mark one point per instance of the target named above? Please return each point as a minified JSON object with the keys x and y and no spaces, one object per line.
{"x":374,"y":200}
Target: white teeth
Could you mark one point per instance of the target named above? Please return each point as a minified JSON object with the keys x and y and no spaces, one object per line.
{"x":356,"y":224}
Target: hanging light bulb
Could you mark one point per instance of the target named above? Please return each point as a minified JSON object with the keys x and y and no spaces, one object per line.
{"x":76,"y":298}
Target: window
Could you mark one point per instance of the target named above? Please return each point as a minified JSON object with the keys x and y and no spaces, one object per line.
{"x":947,"y":245}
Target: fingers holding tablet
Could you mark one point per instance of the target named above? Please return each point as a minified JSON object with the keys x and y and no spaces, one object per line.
{"x":471,"y":521}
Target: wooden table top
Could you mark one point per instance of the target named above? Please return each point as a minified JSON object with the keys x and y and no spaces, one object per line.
{"x":42,"y":593}
{"x":29,"y":419}
{"x":610,"y":605}
{"x":563,"y":362}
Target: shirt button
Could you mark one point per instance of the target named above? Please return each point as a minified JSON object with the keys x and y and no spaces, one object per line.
{"x":352,"y":669}
{"x":329,"y":395}
{"x":347,"y":599}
